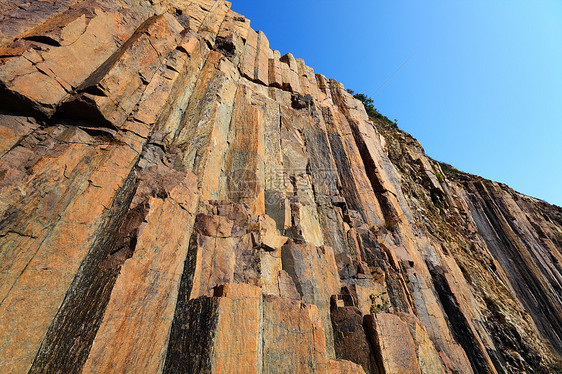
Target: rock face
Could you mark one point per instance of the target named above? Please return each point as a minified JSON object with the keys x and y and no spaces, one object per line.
{"x":177,"y":197}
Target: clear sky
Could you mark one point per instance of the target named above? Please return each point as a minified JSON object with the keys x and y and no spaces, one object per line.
{"x":478,"y":83}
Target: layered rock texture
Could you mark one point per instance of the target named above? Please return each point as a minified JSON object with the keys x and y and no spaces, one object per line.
{"x":177,"y":197}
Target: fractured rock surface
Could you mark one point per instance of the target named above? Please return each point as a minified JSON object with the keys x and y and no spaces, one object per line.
{"x":177,"y":197}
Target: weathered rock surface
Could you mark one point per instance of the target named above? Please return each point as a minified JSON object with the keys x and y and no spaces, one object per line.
{"x":175,"y":196}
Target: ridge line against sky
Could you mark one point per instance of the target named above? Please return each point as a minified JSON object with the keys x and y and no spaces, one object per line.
{"x":482,"y":92}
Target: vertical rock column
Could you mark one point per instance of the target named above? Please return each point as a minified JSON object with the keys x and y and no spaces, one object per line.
{"x":49,"y":257}
{"x":203,"y":134}
{"x":245,"y":158}
{"x":219,"y":334}
{"x":134,"y":333}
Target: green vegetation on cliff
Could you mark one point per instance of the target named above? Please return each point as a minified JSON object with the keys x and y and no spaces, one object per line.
{"x":372,"y":112}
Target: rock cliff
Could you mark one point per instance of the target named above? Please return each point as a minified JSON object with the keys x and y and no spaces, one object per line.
{"x":177,"y":197}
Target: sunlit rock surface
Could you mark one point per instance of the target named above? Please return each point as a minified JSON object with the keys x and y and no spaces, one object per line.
{"x":177,"y":197}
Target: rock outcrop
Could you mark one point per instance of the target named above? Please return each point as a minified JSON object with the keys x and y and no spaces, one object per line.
{"x":175,"y":196}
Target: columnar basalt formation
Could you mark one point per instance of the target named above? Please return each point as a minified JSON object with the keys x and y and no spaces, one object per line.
{"x":175,"y":196}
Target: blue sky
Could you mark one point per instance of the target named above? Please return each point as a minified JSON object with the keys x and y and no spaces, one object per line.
{"x":480,"y":83}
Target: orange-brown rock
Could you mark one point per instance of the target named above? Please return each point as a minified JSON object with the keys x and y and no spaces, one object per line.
{"x":261,"y":74}
{"x":176,"y":196}
{"x":289,"y":72}
{"x":350,"y":337}
{"x":293,"y":337}
{"x":41,"y":76}
{"x":141,"y":292}
{"x":220,"y":334}
{"x":275,"y":73}
{"x":112,"y":92}
{"x":232,"y":35}
{"x":394,"y":346}
{"x":343,"y":367}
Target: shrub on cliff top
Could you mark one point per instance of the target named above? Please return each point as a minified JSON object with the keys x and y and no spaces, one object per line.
{"x":448,"y":169}
{"x":372,"y":112}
